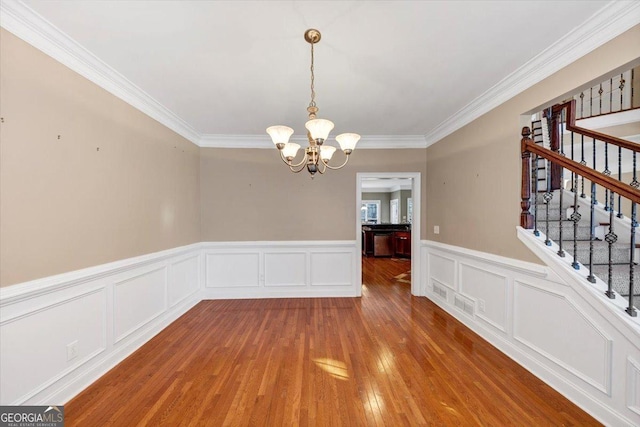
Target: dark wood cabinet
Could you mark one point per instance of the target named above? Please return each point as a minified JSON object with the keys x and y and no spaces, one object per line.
{"x":402,"y":244}
{"x":386,"y":240}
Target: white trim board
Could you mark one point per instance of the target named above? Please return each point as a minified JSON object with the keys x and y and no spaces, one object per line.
{"x":609,"y":22}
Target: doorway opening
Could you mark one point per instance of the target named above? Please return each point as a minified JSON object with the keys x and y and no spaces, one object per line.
{"x":388,"y":225}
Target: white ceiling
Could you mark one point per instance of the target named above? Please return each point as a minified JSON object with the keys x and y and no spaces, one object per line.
{"x":382,"y":67}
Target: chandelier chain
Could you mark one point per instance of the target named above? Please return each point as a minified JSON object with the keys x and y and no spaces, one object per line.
{"x":313,"y":92}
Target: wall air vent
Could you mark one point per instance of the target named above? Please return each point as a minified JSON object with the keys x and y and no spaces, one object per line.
{"x":440,"y":291}
{"x":464,"y":304}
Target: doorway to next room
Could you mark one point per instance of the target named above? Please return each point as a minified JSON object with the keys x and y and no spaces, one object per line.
{"x":387,"y":221}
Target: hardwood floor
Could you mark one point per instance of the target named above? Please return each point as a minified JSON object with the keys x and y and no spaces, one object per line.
{"x":384,"y":359}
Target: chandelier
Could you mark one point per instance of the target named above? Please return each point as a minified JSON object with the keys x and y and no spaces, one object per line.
{"x":317,"y":155}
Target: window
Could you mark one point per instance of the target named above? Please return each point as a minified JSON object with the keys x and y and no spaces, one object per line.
{"x":370,"y":212}
{"x":410,"y":210}
{"x":394,"y":212}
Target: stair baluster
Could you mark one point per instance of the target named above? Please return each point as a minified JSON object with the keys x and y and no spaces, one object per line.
{"x":620,"y":215}
{"x":592,"y":235}
{"x":608,"y":173}
{"x":610,"y":238}
{"x":583,"y":163}
{"x":559,"y":134}
{"x":575,"y":217}
{"x":547,"y":197}
{"x":536,"y":232}
{"x":593,"y":193}
{"x":634,"y":223}
{"x":574,"y":187}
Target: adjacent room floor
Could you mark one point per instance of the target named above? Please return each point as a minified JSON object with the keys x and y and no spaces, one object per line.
{"x":384,"y":359}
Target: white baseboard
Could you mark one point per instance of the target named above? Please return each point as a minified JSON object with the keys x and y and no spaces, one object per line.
{"x":530,"y":313}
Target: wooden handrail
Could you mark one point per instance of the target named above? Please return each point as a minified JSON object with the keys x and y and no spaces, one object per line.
{"x":571,"y":126}
{"x":618,"y":187}
{"x":528,"y":146}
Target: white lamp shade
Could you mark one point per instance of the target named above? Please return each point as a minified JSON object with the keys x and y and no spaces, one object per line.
{"x":319,"y":128}
{"x":290,"y":150}
{"x":348,"y":141}
{"x":326,"y":151}
{"x":280,"y":134}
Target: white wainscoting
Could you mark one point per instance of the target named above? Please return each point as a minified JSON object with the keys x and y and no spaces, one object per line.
{"x":561,"y":331}
{"x":108,"y":311}
{"x":279,"y":269}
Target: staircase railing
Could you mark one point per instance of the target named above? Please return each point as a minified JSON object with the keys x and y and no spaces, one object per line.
{"x":602,"y":236}
{"x":610,"y":96}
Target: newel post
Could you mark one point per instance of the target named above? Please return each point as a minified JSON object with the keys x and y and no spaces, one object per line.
{"x":526,"y":219}
{"x":555,"y":137}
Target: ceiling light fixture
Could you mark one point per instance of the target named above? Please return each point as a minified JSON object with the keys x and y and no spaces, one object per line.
{"x":317,"y":155}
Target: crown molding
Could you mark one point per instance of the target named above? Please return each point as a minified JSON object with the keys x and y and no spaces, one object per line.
{"x":392,"y":141}
{"x":609,"y":22}
{"x":237,"y":141}
{"x":263,"y":141}
{"x":26,"y":24}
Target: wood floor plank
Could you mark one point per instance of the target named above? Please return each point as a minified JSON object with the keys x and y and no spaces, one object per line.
{"x":386,"y":359}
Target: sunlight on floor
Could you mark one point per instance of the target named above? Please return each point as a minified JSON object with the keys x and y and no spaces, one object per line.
{"x":335,"y":368}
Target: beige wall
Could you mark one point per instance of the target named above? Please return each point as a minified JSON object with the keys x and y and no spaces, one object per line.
{"x":473,"y":175}
{"x":66,"y":205}
{"x":251,"y":195}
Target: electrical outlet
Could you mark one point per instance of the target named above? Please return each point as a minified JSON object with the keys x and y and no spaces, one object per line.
{"x":436,"y":229}
{"x":72,"y":350}
{"x":481,"y":305}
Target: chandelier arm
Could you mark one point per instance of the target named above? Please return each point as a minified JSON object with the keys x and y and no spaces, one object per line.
{"x":322,"y":170}
{"x":293,"y":168}
{"x":304,"y":159}
{"x":326,"y":163}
